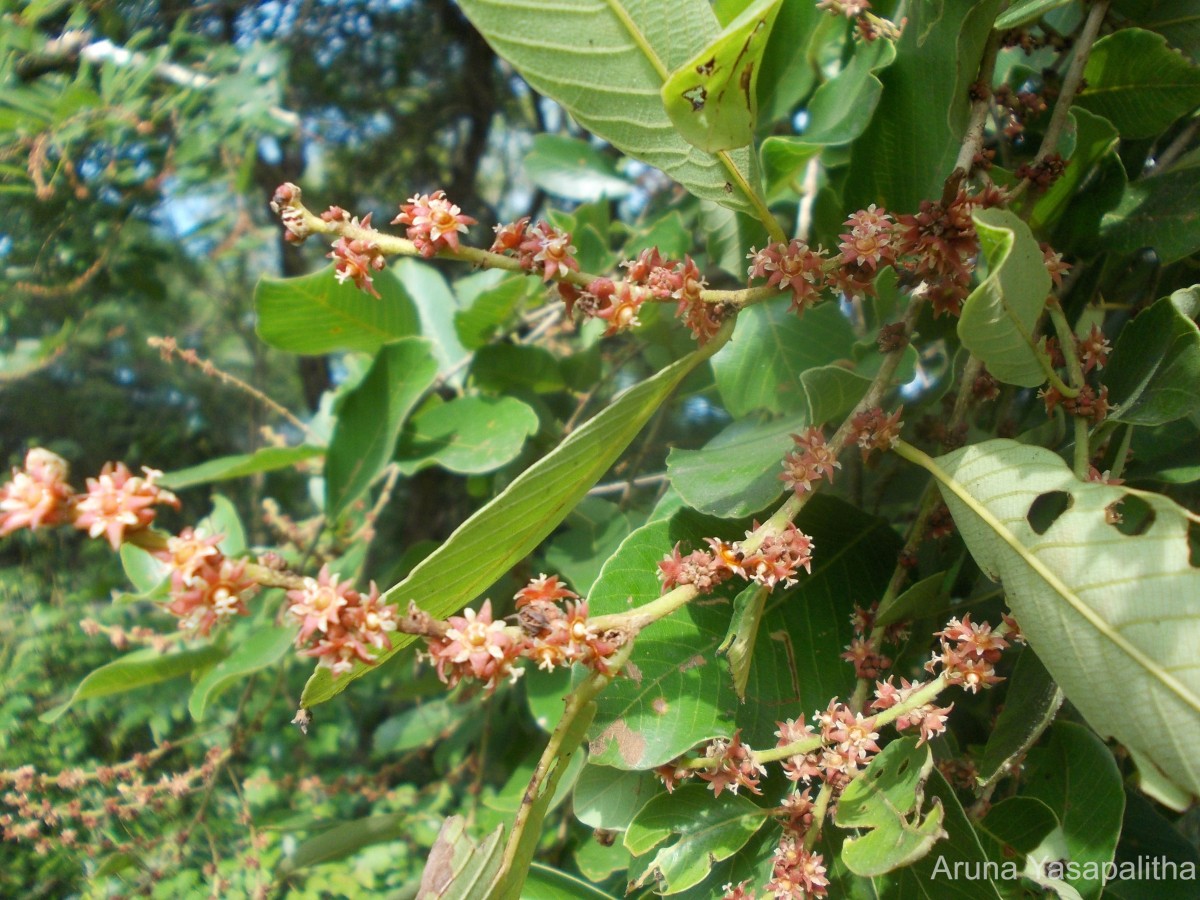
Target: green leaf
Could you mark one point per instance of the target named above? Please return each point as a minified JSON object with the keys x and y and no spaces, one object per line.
{"x":458,"y":868}
{"x":959,"y":851}
{"x":313,"y":314}
{"x":504,"y":367}
{"x":1138,"y":83}
{"x":999,"y":316}
{"x":789,"y":69}
{"x":468,"y":435}
{"x":917,"y":602}
{"x":609,"y":798}
{"x":1025,"y":12}
{"x":712,"y":98}
{"x":544,"y":883}
{"x":924,"y":109}
{"x":345,"y":839}
{"x":591,"y":534}
{"x":225,"y":521}
{"x":1030,"y":705}
{"x":832,"y":391}
{"x":1018,"y":824}
{"x":1144,"y":829}
{"x":256,"y":651}
{"x":135,"y":670}
{"x":1075,"y":775}
{"x":417,"y":727}
{"x":490,"y":312}
{"x":1177,"y":20}
{"x":709,"y":829}
{"x":1155,"y":367}
{"x":760,"y":369}
{"x":370,"y":418}
{"x":606,"y":64}
{"x":742,"y":636}
{"x":887,"y":801}
{"x":145,"y":572}
{"x":437,"y":308}
{"x":573,"y":169}
{"x":1162,"y":212}
{"x":784,"y":159}
{"x":505,"y":530}
{"x":225,"y":468}
{"x":1109,"y":614}
{"x":841,"y":109}
{"x":737,"y":472}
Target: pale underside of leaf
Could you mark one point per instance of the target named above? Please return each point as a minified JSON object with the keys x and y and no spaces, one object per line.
{"x":1115,"y":617}
{"x":605,"y":63}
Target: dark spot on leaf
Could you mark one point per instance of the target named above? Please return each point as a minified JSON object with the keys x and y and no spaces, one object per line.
{"x":696,"y":96}
{"x":1193,"y":535}
{"x":1135,"y":515}
{"x":745,"y":79}
{"x":1045,"y":510}
{"x":707,"y":68}
{"x":728,"y":188}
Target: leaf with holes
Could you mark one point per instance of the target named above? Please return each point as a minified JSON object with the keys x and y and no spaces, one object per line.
{"x":712,"y":97}
{"x":1112,"y":614}
{"x":998,"y":318}
{"x":606,"y":63}
{"x":887,"y":801}
{"x":709,"y":829}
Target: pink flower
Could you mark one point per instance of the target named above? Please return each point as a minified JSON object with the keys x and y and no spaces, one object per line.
{"x":868,"y":242}
{"x":477,"y":646}
{"x":353,"y":260}
{"x":318,"y":604}
{"x":189,"y":552}
{"x":733,"y":767}
{"x":38,"y":495}
{"x":793,"y":267}
{"x":118,"y":501}
{"x":552,"y":248}
{"x":809,"y":461}
{"x":799,"y":872}
{"x":434,"y":223}
{"x":874,"y":430}
{"x":216,"y":590}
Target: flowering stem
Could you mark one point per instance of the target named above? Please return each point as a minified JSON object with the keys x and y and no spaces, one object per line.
{"x":1070,"y":87}
{"x":1066,"y":340}
{"x":636,"y":619}
{"x":1118,"y":465}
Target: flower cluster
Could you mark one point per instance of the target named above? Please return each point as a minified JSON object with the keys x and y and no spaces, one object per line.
{"x":928,"y":718}
{"x":433,"y":222}
{"x":968,"y":654}
{"x":811,"y":460}
{"x":338,"y":625}
{"x":777,"y":559}
{"x":792,"y":266}
{"x":287,"y":204}
{"x":115,"y":504}
{"x":730,"y":766}
{"x":865,"y":650}
{"x":873,"y":429}
{"x":1090,"y":403}
{"x":354,"y":260}
{"x":1094,"y":350}
{"x":478,"y":646}
{"x":939,"y":245}
{"x":541,"y":246}
{"x":847,"y":742}
{"x":206,"y":586}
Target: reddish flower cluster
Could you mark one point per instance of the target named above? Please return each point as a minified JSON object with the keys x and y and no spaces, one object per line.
{"x":939,"y":245}
{"x":116,"y":502}
{"x":798,"y":873}
{"x":872,"y":429}
{"x":354,"y":259}
{"x":286,"y":204}
{"x":1088,"y":404}
{"x":941,"y":522}
{"x":779,"y":558}
{"x":478,"y":646}
{"x":792,"y":267}
{"x":206,"y":586}
{"x":339,"y":624}
{"x":540,"y":246}
{"x":1094,"y":350}
{"x":1054,"y":264}
{"x":868,"y":242}
{"x":1044,"y":172}
{"x":930,"y":719}
{"x":810,"y":461}
{"x":968,"y":654}
{"x":985,"y":387}
{"x":434,"y":223}
{"x":848,"y":742}
{"x":616,"y":302}
{"x":1020,"y":106}
{"x":731,"y":766}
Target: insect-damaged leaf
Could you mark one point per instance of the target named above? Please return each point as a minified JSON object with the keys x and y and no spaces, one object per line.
{"x":711,"y":98}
